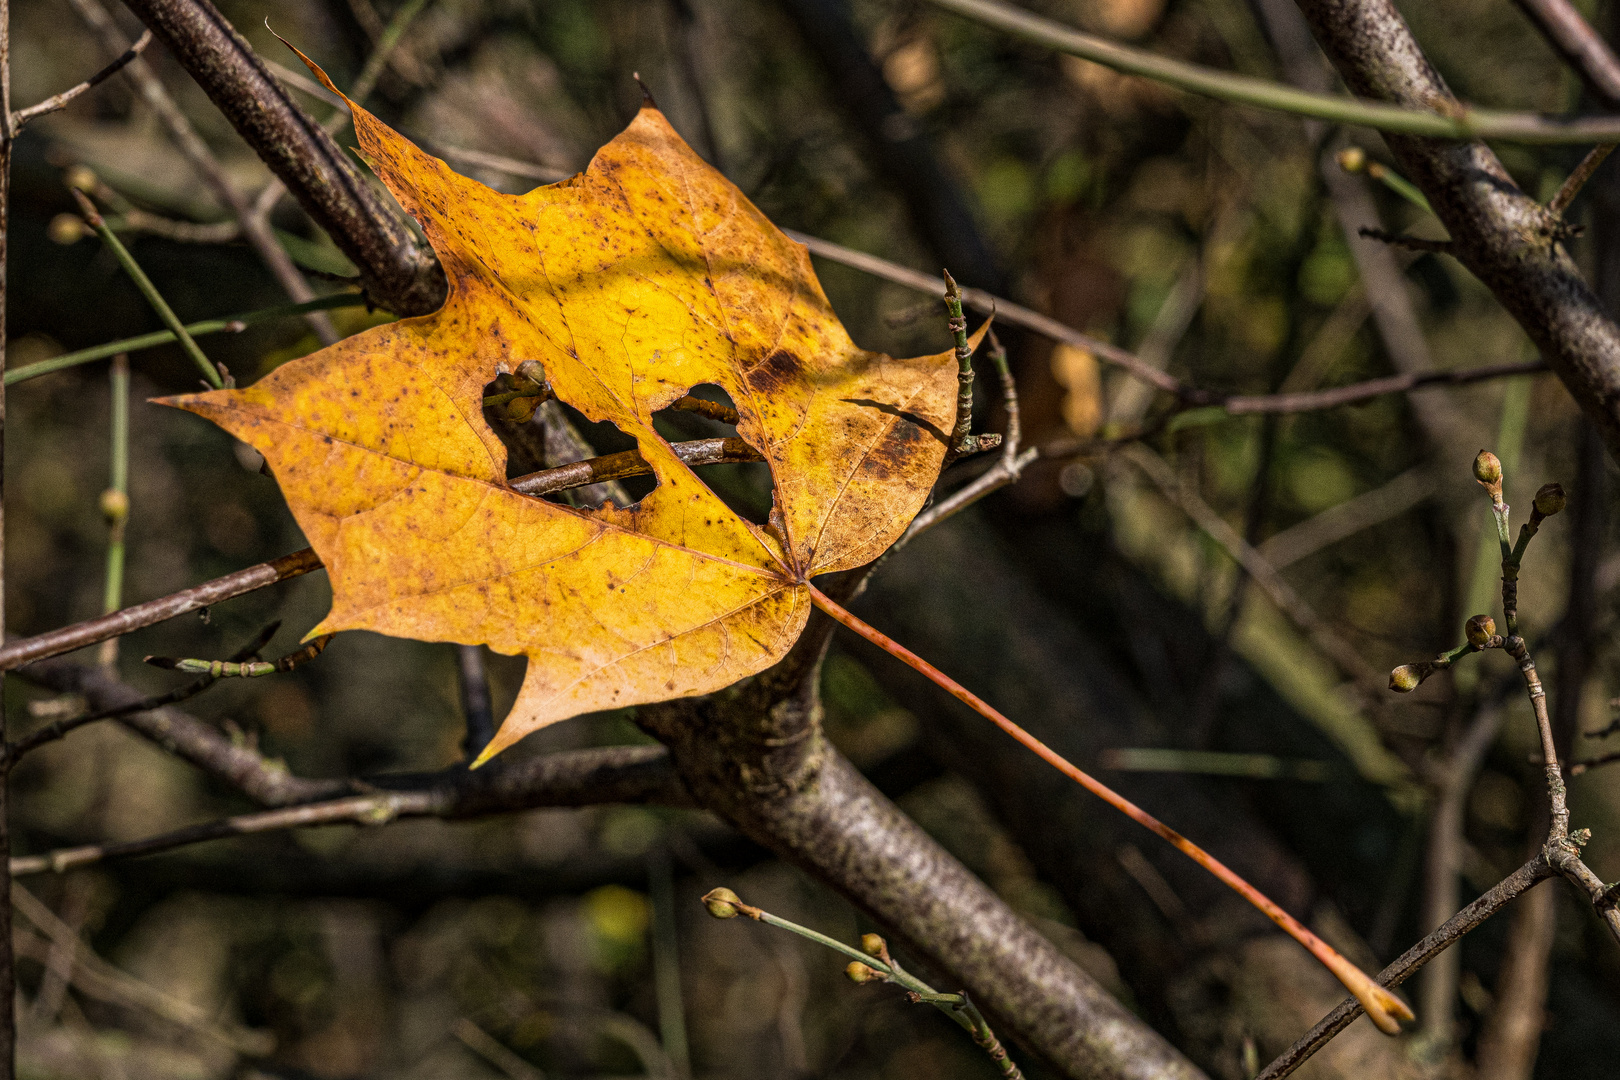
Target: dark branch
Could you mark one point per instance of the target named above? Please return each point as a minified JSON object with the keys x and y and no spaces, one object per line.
{"x":91,"y":631}
{"x":1582,"y":47}
{"x":1498,"y":232}
{"x":60,"y":101}
{"x":1407,"y":964}
{"x":619,"y":774}
{"x":397,"y":273}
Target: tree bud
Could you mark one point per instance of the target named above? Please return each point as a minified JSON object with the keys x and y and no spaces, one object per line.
{"x":858,"y":972}
{"x":114,"y":505}
{"x":1352,"y":159}
{"x":873,"y":944}
{"x":1488,"y":468}
{"x":1480,"y":630}
{"x":722,"y":903}
{"x":66,"y":229}
{"x":81,"y":177}
{"x":1405,"y":679}
{"x":1549,"y":499}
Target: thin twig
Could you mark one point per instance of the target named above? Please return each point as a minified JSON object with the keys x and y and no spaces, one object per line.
{"x":1384,"y":1008}
{"x":1332,"y":646}
{"x":873,"y":963}
{"x":1466,"y":123}
{"x":1410,"y":243}
{"x":14,"y":752}
{"x":232,"y":324}
{"x":1582,"y":47}
{"x":618,"y":774}
{"x":115,"y":500}
{"x":1576,"y":180}
{"x":60,"y":101}
{"x":1409,"y":962}
{"x":148,"y":290}
{"x":207,"y":167}
{"x":243,"y":668}
{"x":55,"y":642}
{"x":1006,"y":470}
{"x":1187,"y":396}
{"x":475,"y":703}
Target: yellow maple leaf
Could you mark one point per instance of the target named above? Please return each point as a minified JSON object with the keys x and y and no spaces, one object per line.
{"x":631,"y":283}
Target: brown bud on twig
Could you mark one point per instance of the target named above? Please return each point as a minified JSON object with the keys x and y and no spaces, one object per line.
{"x":1488,"y":468}
{"x":1550,"y":499}
{"x":723,"y":903}
{"x":1480,"y":630}
{"x":858,"y":972}
{"x":1407,"y":677}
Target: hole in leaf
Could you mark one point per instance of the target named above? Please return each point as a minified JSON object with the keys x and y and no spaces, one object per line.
{"x":745,"y":487}
{"x":533,"y":443}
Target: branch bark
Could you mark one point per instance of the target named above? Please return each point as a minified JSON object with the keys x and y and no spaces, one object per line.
{"x":1503,"y":236}
{"x":397,"y":273}
{"x":756,"y":755}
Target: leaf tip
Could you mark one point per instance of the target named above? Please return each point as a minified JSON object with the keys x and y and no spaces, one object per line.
{"x":647,"y":101}
{"x":315,"y":69}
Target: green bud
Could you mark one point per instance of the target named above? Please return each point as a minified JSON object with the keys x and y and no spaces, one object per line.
{"x":1480,"y":630}
{"x":1549,"y":499}
{"x":722,"y":903}
{"x":858,"y":972}
{"x":1487,"y":468}
{"x":1405,"y":679}
{"x":873,"y":945}
{"x":1352,"y":159}
{"x":114,"y":506}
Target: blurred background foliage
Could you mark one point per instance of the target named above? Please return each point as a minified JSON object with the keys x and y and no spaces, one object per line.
{"x":1199,"y":234}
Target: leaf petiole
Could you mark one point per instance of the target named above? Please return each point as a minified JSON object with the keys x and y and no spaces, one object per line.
{"x":1382,"y":1007}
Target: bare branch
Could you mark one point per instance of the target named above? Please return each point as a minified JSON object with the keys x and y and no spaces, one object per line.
{"x":1582,"y":47}
{"x":60,"y":101}
{"x":206,"y":166}
{"x":1333,"y":647}
{"x":1525,"y":877}
{"x":397,"y":273}
{"x":1498,"y":232}
{"x":619,"y":774}
{"x":16,"y":653}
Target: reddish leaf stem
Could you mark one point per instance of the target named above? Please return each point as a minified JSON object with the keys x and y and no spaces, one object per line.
{"x":1382,"y":1006}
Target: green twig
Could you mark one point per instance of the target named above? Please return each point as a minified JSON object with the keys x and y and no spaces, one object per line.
{"x":229,"y":669}
{"x":1460,"y":122}
{"x":115,"y":502}
{"x":872,"y":963}
{"x":148,"y":290}
{"x":230,"y":325}
{"x":962,"y":441}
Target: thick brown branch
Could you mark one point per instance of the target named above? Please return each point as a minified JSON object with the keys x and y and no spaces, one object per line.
{"x":619,"y":774}
{"x":1501,"y":234}
{"x":397,"y":273}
